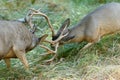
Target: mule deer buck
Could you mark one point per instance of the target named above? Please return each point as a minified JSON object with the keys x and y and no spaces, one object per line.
{"x":103,"y":21}
{"x":16,"y":40}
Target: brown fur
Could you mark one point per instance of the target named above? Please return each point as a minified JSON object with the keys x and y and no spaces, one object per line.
{"x":15,"y":41}
{"x":102,"y":21}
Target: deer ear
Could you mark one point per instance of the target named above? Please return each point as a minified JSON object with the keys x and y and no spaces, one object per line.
{"x":65,"y":24}
{"x":42,"y":38}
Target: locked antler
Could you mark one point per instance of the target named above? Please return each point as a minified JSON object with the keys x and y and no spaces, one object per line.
{"x":56,"y":42}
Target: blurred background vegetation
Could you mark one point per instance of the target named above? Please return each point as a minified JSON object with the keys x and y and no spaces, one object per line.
{"x":75,"y":65}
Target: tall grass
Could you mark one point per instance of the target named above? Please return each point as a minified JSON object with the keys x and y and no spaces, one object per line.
{"x":98,"y":62}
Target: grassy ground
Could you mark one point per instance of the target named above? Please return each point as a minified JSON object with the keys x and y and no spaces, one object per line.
{"x":99,"y":62}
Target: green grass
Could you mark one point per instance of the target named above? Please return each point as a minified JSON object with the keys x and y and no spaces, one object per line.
{"x":89,"y":64}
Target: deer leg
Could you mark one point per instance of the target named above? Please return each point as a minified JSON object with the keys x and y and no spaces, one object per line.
{"x":91,"y":43}
{"x":21,"y":55}
{"x":87,"y":45}
{"x":7,"y":61}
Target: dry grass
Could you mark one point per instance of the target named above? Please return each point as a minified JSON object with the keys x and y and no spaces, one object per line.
{"x":109,"y":72}
{"x":99,"y":62}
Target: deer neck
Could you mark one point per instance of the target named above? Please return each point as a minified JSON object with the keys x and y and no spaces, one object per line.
{"x":34,"y":42}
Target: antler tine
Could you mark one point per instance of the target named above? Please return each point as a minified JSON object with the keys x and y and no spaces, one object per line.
{"x":30,"y":22}
{"x":49,"y":51}
{"x":38,"y":12}
{"x":32,"y":9}
{"x":28,"y":19}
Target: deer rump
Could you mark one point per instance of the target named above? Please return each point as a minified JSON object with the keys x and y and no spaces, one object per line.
{"x":13,"y":35}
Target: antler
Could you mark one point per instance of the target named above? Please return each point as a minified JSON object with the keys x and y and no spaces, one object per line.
{"x":49,"y":51}
{"x":28,"y":18}
{"x":38,"y":12}
{"x":56,"y":42}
